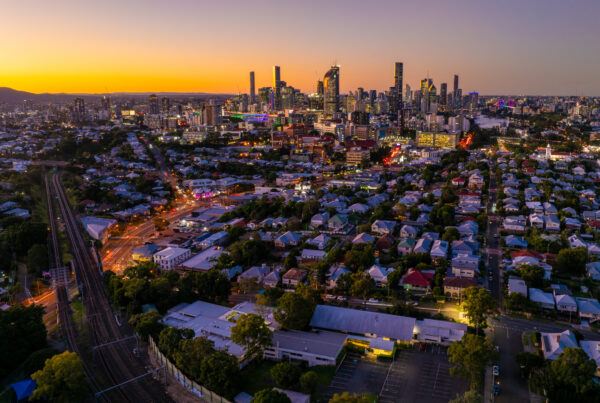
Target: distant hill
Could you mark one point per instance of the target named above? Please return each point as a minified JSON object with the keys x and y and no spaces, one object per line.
{"x":11,"y":96}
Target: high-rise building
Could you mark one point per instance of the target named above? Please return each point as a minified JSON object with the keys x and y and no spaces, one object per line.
{"x":153,"y":105}
{"x":165,"y":104}
{"x":320,"y":88}
{"x":360,"y":94}
{"x":277,"y":87}
{"x":455,"y":93}
{"x":443,"y":93}
{"x":398,"y":78}
{"x":79,"y":109}
{"x":252,"y":90}
{"x":331,"y":91}
{"x":473,"y":101}
{"x":106,"y":108}
{"x":428,"y":94}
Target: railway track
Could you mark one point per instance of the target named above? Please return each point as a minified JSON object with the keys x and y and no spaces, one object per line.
{"x":118,"y":362}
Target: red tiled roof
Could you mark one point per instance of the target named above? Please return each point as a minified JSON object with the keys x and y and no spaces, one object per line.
{"x":417,"y":278}
{"x":526,"y":252}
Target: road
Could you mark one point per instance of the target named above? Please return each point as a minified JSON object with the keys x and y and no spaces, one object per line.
{"x":118,"y":364}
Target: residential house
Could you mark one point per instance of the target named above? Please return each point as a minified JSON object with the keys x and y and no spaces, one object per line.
{"x":454,"y":287}
{"x":320,"y":241}
{"x":406,"y":246}
{"x":358,"y":208}
{"x":171,"y":257}
{"x":418,"y":280}
{"x":335,"y":272}
{"x":544,"y":299}
{"x":337,"y":223}
{"x":363,"y":237}
{"x":553,"y":344}
{"x":439,"y":250}
{"x":408,"y":231}
{"x":288,"y":239}
{"x":272,"y":279}
{"x":383,"y":227}
{"x":423,"y":245}
{"x":593,"y":270}
{"x":312,"y":255}
{"x":379,"y":274}
{"x":256,"y":273}
{"x":565,"y":303}
{"x":515,"y":242}
{"x":319,"y":220}
{"x":468,"y":228}
{"x":465,"y":265}
{"x":293,"y":277}
{"x":589,"y":309}
{"x":514,"y":223}
{"x":517,"y":285}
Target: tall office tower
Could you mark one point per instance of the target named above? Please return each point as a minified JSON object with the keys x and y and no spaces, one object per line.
{"x":79,"y":109}
{"x":473,"y":101}
{"x":443,"y":93}
{"x":277,"y":87}
{"x":360,"y":94}
{"x":426,"y":94}
{"x":407,"y":94}
{"x":331,"y":91}
{"x":372,"y":97}
{"x":211,"y":113}
{"x":153,"y":105}
{"x":320,"y":89}
{"x":165,"y":104}
{"x":399,"y":106}
{"x":106,"y":107}
{"x":252,"y":90}
{"x":458,"y":101}
{"x":455,"y":92}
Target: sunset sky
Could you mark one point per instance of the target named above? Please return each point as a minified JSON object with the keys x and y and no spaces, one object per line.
{"x":497,"y":47}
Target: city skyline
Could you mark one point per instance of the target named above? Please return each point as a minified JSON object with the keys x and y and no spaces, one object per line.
{"x":508,"y":48}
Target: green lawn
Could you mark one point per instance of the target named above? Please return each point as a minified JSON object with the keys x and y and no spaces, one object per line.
{"x":256,"y":376}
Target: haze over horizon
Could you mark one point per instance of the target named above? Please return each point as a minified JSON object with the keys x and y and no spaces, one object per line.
{"x":69,"y":46}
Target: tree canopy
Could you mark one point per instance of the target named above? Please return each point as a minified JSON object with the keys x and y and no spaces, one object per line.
{"x":270,"y":396}
{"x":61,"y":380}
{"x":251,"y":332}
{"x":469,"y":358}
{"x":477,"y":304}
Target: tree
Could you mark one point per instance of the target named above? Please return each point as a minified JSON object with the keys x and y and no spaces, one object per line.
{"x":347,"y":397}
{"x":470,"y":396}
{"x":270,"y":396}
{"x":37,"y":259}
{"x":362,"y":286}
{"x":169,"y":339}
{"x":22,"y":332}
{"x":309,"y":381}
{"x":61,"y":380}
{"x":293,"y":311}
{"x":477,"y":304}
{"x":190,"y":354}
{"x":285,"y":374}
{"x":251,"y":332}
{"x":146,"y":324}
{"x":469,"y":358}
{"x":528,"y":362}
{"x":574,"y":370}
{"x":451,"y":234}
{"x":220,"y":373}
{"x":532,"y":275}
{"x":360,"y":257}
{"x":571,"y":261}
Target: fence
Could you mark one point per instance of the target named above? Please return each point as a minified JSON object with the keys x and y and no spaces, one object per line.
{"x":186,"y":382}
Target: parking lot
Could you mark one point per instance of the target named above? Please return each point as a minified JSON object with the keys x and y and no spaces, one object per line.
{"x":415,"y":375}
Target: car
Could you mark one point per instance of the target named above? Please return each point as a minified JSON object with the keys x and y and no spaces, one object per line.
{"x":496,"y":370}
{"x":373,"y":301}
{"x":496,"y":390}
{"x":341,"y":298}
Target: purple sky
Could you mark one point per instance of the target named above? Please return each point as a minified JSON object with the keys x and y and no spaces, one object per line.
{"x":497,"y":47}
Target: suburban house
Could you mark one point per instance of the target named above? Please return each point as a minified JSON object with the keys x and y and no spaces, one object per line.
{"x":553,"y":344}
{"x":383,"y":227}
{"x":565,"y":303}
{"x":544,"y":299}
{"x":171,"y":257}
{"x":439,"y":250}
{"x":454,"y":287}
{"x":406,"y":246}
{"x":293,"y":277}
{"x":408,"y":231}
{"x":379,"y":274}
{"x":589,"y":309}
{"x":465,"y":265}
{"x":418,"y":280}
{"x":312,"y":255}
{"x":288,"y":239}
{"x":517,"y":285}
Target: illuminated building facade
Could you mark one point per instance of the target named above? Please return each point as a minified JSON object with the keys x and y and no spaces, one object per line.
{"x":331,"y":91}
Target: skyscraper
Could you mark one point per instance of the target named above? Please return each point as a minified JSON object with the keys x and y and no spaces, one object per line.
{"x":331,"y":91}
{"x":153,"y":105}
{"x":79,"y":109}
{"x":252,"y":90}
{"x":443,"y":93}
{"x":165,"y":104}
{"x":320,"y":88}
{"x":456,"y":94}
{"x":398,"y":77}
{"x":277,"y":87}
